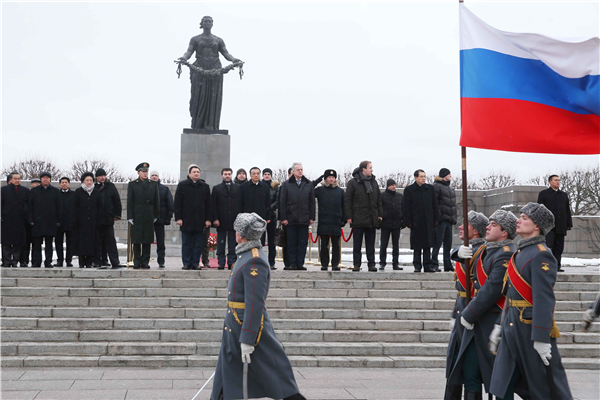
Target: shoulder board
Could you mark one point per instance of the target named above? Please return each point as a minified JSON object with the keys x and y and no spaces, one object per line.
{"x":541,"y":247}
{"x":255,"y":252}
{"x":506,"y":248}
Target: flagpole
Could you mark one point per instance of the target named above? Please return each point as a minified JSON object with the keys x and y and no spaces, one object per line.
{"x":466,"y":221}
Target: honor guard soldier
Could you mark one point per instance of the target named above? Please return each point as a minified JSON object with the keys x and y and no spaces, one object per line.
{"x":477,"y":224}
{"x":248,"y":330}
{"x":473,"y":365}
{"x":143,"y":208}
{"x":527,"y":352}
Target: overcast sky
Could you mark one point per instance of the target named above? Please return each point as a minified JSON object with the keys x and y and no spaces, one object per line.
{"x":327,"y":84}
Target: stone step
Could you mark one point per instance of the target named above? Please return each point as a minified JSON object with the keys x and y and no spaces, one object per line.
{"x":284,"y":335}
{"x":9,"y":323}
{"x":211,"y":361}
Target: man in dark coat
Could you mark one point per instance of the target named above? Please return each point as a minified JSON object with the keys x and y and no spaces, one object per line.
{"x":109,"y":214}
{"x":87,"y":208}
{"x":143,"y":209}
{"x":255,"y":196}
{"x":166,"y":213}
{"x":248,"y":335}
{"x":476,"y":225}
{"x":297,"y":212}
{"x":277,"y":204}
{"x":14,"y":198}
{"x":421,"y":215}
{"x":270,"y":233}
{"x":558,"y":203}
{"x":193,"y":214}
{"x":66,"y":224}
{"x":364,"y":212}
{"x":26,"y":250}
{"x":332,"y":218}
{"x":224,"y":205}
{"x":527,"y":335}
{"x":44,"y":213}
{"x":473,"y":364}
{"x":391,"y":224}
{"x":446,"y":198}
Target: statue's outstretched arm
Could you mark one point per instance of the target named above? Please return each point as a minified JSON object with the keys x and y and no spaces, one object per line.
{"x":186,"y":56}
{"x":225,"y":53}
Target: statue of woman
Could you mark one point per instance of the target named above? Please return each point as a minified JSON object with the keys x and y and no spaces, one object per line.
{"x":207,"y":90}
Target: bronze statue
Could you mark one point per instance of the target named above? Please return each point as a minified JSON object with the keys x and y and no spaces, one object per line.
{"x":206,"y":76}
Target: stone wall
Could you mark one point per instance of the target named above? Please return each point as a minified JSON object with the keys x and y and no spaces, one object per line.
{"x":582,"y":241}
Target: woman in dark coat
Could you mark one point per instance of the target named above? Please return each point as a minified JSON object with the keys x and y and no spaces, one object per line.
{"x":14,"y":220}
{"x":88,"y":204}
{"x":331,"y":218}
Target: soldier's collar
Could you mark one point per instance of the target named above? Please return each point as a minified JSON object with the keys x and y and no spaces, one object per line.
{"x":477,"y":241}
{"x":496,"y":245}
{"x":530,"y":241}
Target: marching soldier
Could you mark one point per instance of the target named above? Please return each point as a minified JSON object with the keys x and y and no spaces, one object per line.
{"x":248,"y":330}
{"x":143,"y":208}
{"x":477,"y":223}
{"x":473,"y":365}
{"x":527,"y":351}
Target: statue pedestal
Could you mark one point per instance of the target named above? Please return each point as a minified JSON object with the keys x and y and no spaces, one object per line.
{"x":209,"y":149}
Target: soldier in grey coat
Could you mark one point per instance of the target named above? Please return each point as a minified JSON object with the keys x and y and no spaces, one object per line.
{"x":527,"y":351}
{"x":248,"y":335}
{"x":477,"y":224}
{"x":473,"y":365}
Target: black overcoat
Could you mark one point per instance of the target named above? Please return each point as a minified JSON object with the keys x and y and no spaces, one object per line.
{"x":224,"y":205}
{"x":420,"y":214}
{"x":14,"y":215}
{"x":66,"y":203}
{"x":44,"y":210}
{"x":86,"y":212}
{"x":332,"y":216}
{"x":193,"y":205}
{"x":167,"y":206}
{"x":297,"y":202}
{"x":558,"y":203}
{"x":255,"y":198}
{"x":363,"y":208}
{"x":391,"y":202}
{"x":111,"y":203}
{"x":143,"y":206}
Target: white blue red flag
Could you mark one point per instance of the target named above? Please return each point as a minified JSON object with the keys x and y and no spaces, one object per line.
{"x":527,"y":92}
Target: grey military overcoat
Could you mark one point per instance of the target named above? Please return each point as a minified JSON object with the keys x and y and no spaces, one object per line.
{"x":537,"y":265}
{"x":270,"y":372}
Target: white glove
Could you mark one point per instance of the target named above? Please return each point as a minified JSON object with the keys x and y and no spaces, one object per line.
{"x":246,"y":351}
{"x":466,"y":323}
{"x":465,"y":252}
{"x":452,"y":323}
{"x":495,"y":337}
{"x":543,"y":350}
{"x":130,"y":221}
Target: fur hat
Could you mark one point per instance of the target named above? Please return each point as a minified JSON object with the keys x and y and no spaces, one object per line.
{"x":192,"y":166}
{"x":329,"y":172}
{"x":250,"y":226}
{"x":85,"y":175}
{"x":540,"y":215}
{"x":479,"y":222}
{"x":444,"y":172}
{"x":507,"y":221}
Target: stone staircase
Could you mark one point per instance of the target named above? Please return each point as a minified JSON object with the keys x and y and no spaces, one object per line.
{"x":73,"y":317}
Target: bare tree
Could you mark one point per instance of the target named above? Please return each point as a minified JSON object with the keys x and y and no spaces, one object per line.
{"x":280,"y":174}
{"x":167,"y":179}
{"x":582,"y":186}
{"x":538,"y":180}
{"x":495,"y":180}
{"x":32,"y":167}
{"x":456,"y":183}
{"x":91,"y":164}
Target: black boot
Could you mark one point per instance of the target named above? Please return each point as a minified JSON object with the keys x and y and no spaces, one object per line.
{"x":453,"y":392}
{"x":297,"y":396}
{"x":471,"y":395}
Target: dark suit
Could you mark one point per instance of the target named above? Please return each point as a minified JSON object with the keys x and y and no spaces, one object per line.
{"x":14,"y":221}
{"x":558,"y":203}
{"x":44,"y":211}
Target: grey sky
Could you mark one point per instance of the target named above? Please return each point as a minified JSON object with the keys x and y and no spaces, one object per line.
{"x":329,"y":84}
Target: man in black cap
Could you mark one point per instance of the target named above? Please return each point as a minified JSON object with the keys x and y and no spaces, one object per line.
{"x":446,"y":198}
{"x":109,"y":213}
{"x":143,"y":209}
{"x":44,"y":211}
{"x":66,"y":224}
{"x":14,"y":199}
{"x":332,"y":218}
{"x":26,"y":249}
{"x":391,"y":224}
{"x":269,"y":235}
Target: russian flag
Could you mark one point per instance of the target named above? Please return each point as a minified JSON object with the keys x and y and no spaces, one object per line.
{"x":526,"y":92}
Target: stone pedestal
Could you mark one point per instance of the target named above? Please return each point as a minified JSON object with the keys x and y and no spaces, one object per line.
{"x":209,"y":149}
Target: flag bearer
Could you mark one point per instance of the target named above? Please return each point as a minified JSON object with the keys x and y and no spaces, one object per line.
{"x":527,"y":351}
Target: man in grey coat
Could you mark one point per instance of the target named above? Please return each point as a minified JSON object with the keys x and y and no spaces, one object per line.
{"x":248,"y":334}
{"x":473,"y":365}
{"x":527,"y":351}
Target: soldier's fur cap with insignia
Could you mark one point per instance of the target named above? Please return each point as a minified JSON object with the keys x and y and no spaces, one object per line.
{"x":507,"y":221}
{"x":330,"y":172}
{"x":479,"y":222}
{"x":142,"y":166}
{"x":540,"y":216}
{"x":250,"y":226}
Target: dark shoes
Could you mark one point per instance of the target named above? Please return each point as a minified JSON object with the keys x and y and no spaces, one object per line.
{"x":221,"y":267}
{"x":382,"y":268}
{"x":560,"y":269}
{"x":287,"y":268}
{"x":161,"y":266}
{"x":429,"y":270}
{"x":335,"y":269}
{"x":69,"y":264}
{"x":105,"y":264}
{"x":397,"y":268}
{"x":300,"y":268}
{"x":372,"y":269}
{"x":355,"y":269}
{"x":471,"y":395}
{"x":273,"y":267}
{"x":58,"y":264}
{"x":324,"y":268}
{"x":449,"y":270}
{"x":186,"y":267}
